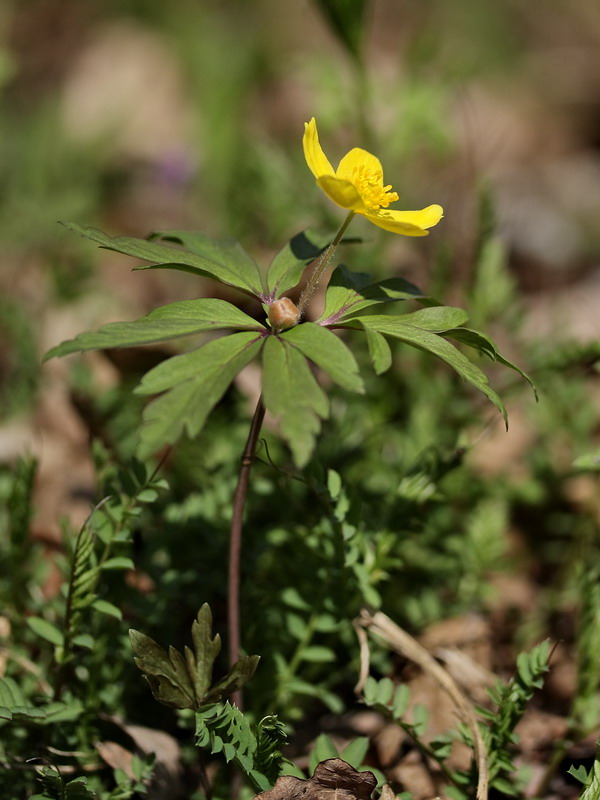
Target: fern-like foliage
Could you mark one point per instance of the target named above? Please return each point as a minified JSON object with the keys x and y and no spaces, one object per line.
{"x":223,"y":728}
{"x":511,"y":702}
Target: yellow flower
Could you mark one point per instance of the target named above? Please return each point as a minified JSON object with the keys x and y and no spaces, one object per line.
{"x":357,"y":185}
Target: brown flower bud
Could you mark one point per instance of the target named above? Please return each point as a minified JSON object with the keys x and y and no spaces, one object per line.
{"x":283,"y":314}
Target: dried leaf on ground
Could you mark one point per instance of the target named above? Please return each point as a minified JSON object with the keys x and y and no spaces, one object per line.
{"x":333,"y":779}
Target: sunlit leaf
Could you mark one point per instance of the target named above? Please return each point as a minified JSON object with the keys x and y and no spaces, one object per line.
{"x":46,"y":630}
{"x":292,"y":394}
{"x":194,"y":382}
{"x":432,"y":343}
{"x":182,"y":318}
{"x":349,"y":292}
{"x":223,"y":261}
{"x":328,"y":352}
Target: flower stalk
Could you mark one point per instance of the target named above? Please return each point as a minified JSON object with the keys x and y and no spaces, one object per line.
{"x":321,"y":265}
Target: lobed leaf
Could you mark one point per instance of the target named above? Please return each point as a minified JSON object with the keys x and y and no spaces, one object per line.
{"x":484,"y":344}
{"x":183,"y":318}
{"x":328,"y":352}
{"x":292,"y":394}
{"x":224,"y":261}
{"x":206,"y":649}
{"x":194,"y":382}
{"x":425,"y":339}
{"x":169,"y":680}
{"x":349,"y":292}
{"x":239,"y":674}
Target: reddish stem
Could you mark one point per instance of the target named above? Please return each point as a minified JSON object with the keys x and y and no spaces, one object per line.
{"x":235,"y":541}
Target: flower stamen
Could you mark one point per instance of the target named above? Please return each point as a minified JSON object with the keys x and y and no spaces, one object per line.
{"x":368,"y":185}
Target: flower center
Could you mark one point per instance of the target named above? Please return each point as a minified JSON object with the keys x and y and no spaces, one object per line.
{"x":373,"y":194}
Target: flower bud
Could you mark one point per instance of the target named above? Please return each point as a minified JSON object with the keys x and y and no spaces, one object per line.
{"x":283,"y":314}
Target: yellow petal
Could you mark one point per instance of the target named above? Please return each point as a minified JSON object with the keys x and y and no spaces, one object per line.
{"x":313,"y":153}
{"x":407,"y":223}
{"x":356,"y":158}
{"x":343,"y":193}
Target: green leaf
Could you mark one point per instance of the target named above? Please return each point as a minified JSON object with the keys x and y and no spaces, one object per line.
{"x":169,"y":680}
{"x":288,"y":265}
{"x":355,"y":752}
{"x":589,"y":462}
{"x":434,"y":344}
{"x":46,"y":630}
{"x":328,"y":352}
{"x":206,"y":649}
{"x":240,"y":673}
{"x":317,"y":654}
{"x":84,"y":640}
{"x":195,"y":382}
{"x":436,"y":318}
{"x":484,"y":344}
{"x":118,"y":562}
{"x":292,"y":394}
{"x":183,"y":318}
{"x":379,"y":351}
{"x":224,"y":261}
{"x":14,"y":704}
{"x":349,"y":292}
{"x":323,"y":749}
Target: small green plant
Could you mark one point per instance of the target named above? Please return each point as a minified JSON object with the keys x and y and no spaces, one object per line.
{"x":187,"y":386}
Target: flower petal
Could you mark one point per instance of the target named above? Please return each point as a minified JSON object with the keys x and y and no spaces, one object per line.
{"x":356,"y":158}
{"x":316,"y":159}
{"x":343,"y":193}
{"x":408,"y":223}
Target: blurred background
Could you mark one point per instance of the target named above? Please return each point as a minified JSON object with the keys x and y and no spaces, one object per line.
{"x":136,"y":117}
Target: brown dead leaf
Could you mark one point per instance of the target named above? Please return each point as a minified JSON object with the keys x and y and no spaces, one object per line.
{"x":116,"y":756}
{"x":333,"y":779}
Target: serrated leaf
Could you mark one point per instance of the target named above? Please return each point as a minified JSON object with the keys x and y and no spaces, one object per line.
{"x":435,"y":318}
{"x":224,"y":261}
{"x":379,"y":351}
{"x":484,"y":344}
{"x":241,"y":269}
{"x":183,"y":318}
{"x":240,"y":673}
{"x":292,"y":394}
{"x":195,"y":382}
{"x":170,"y":685}
{"x":349,"y":292}
{"x":206,"y":649}
{"x":46,"y":630}
{"x":288,"y":265}
{"x":432,"y":343}
{"x":328,"y":352}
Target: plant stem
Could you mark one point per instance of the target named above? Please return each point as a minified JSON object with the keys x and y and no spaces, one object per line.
{"x":321,"y":265}
{"x":235,"y":540}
